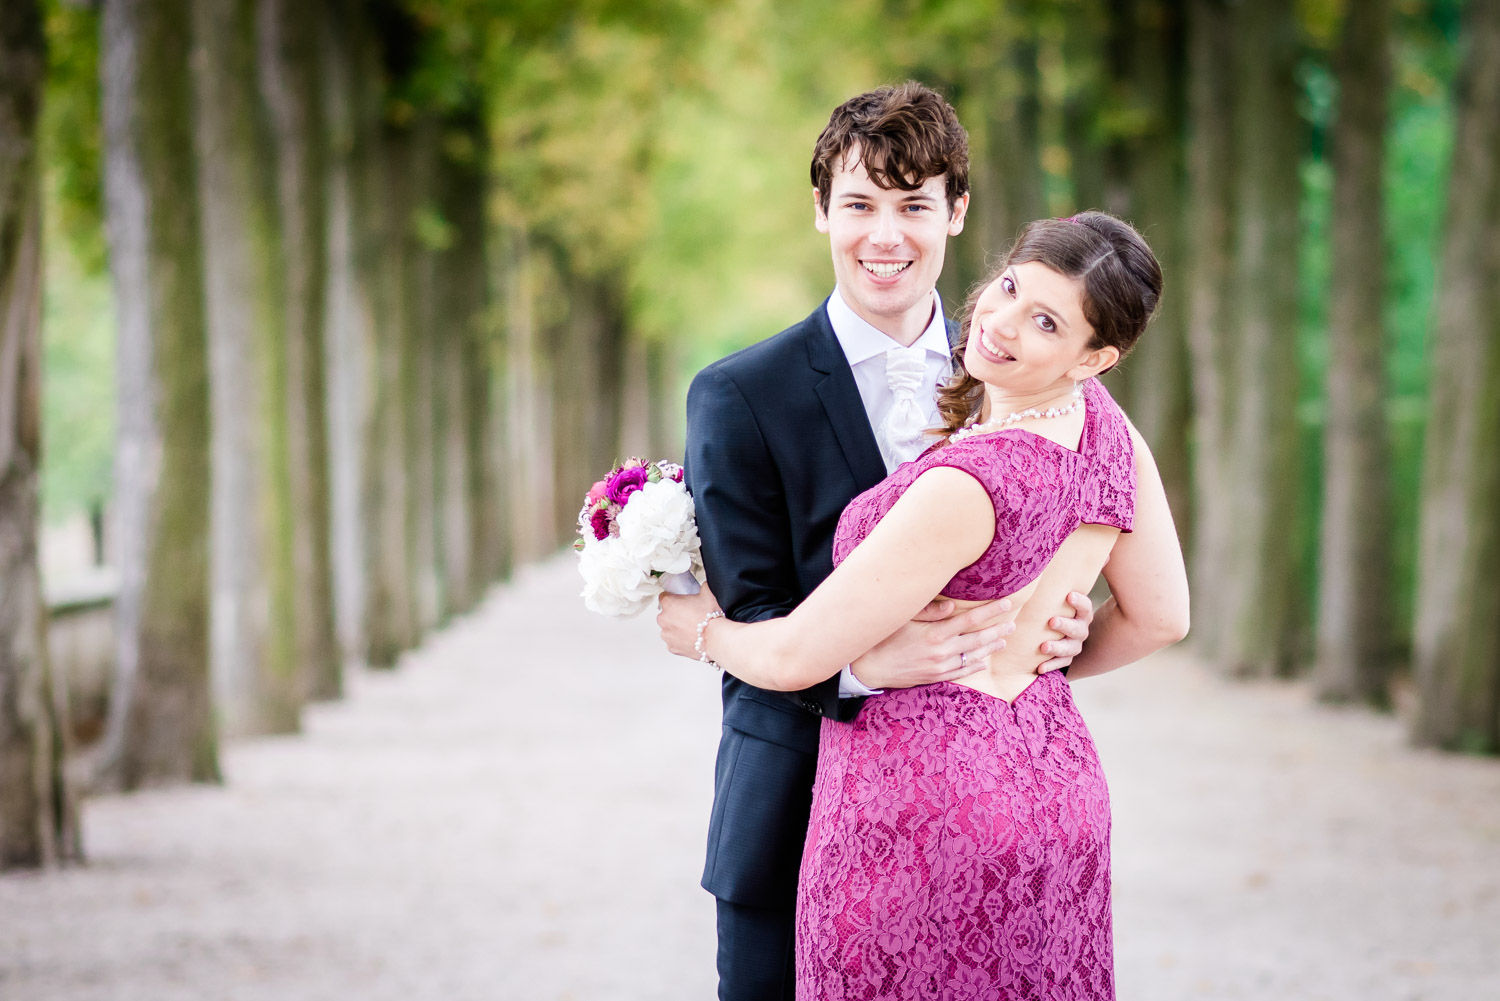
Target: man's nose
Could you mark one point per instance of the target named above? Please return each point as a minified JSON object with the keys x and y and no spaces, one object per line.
{"x":887,"y":230}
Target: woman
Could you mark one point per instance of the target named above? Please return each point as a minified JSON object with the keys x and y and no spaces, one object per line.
{"x":959,"y":842}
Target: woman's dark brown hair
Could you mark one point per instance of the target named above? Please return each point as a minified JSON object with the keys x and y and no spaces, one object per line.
{"x":904,"y":134}
{"x":1121,"y":288}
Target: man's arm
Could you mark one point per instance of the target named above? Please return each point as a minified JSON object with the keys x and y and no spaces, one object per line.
{"x":742,"y":515}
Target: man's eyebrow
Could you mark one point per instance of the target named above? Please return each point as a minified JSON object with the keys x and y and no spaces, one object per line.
{"x":910,"y":196}
{"x":1045,"y":308}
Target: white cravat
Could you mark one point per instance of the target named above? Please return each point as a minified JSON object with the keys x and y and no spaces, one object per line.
{"x":900,"y":434}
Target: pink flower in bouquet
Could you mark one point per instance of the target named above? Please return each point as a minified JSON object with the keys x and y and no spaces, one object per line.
{"x":597,"y":492}
{"x":626,"y":482}
{"x":600,"y":522}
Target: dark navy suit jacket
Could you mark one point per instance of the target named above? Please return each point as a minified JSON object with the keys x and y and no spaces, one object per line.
{"x":778,"y":443}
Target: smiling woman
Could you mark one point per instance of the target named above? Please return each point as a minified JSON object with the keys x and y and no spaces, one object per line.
{"x":1083,"y":284}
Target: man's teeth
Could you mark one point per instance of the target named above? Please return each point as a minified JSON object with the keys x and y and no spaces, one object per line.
{"x":985,"y":340}
{"x":885,"y":270}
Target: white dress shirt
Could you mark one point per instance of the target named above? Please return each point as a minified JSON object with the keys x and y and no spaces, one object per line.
{"x":865,"y":347}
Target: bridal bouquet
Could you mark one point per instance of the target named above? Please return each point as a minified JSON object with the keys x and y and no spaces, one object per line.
{"x":637,"y":537}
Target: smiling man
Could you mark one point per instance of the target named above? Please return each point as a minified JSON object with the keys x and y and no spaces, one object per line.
{"x":780,"y":437}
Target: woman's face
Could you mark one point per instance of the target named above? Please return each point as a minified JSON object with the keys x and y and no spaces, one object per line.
{"x":1029,"y":332}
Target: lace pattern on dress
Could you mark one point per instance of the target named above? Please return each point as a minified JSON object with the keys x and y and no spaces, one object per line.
{"x":1042,"y":492}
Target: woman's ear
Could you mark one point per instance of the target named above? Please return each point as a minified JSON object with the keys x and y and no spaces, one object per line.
{"x":1094,"y":362}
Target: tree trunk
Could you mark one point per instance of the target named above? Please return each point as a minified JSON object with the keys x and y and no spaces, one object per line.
{"x":1004,"y":112}
{"x":486,"y":376}
{"x":529,"y":486}
{"x":458,"y":336}
{"x":668,"y":406}
{"x":1356,"y":617}
{"x":1206,"y":276}
{"x":1084,"y":55}
{"x":587,"y":353}
{"x":254,"y":625}
{"x":349,"y":323}
{"x":1146,"y":185}
{"x":1457,"y":636}
{"x":390,"y":622}
{"x":291,"y":80}
{"x":38,"y":814}
{"x":1264,"y":592}
{"x":419,"y":373}
{"x":161,"y":724}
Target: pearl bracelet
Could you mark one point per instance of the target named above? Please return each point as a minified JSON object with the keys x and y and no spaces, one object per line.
{"x":698,"y":646}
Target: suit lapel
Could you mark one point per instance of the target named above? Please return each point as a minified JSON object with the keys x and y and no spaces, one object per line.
{"x":841,"y":401}
{"x":955,"y":335}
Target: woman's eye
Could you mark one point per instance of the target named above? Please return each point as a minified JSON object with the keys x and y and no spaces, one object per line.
{"x":1045,"y":322}
{"x":1008,"y":285}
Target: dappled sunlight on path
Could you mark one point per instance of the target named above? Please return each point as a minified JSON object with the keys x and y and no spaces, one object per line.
{"x":518,"y":812}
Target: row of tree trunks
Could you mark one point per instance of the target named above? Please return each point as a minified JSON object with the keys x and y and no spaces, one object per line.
{"x":38,"y":817}
{"x":161,"y":721}
{"x":1356,"y":643}
{"x":1457,"y":633}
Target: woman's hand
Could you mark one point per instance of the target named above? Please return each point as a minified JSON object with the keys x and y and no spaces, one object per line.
{"x":678,"y":618}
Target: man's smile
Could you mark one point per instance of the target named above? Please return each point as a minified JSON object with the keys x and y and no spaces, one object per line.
{"x":885,"y":269}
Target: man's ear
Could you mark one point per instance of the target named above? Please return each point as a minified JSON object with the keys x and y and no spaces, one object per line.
{"x":820,"y":218}
{"x":957,"y":213}
{"x":1096,"y":361}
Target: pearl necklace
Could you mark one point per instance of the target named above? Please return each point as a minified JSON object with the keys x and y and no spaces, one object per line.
{"x":1015,"y":417}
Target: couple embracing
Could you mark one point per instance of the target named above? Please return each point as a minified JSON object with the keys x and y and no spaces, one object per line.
{"x":900,"y":519}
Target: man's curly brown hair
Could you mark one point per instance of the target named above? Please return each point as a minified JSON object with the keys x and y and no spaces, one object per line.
{"x":903,"y":135}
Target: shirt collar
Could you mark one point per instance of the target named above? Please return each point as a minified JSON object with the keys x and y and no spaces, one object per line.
{"x":861,"y":341}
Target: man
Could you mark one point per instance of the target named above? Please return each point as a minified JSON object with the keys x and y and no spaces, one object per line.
{"x":780,"y":437}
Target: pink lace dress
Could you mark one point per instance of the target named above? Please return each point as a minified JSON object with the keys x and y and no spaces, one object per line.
{"x":959,"y":844}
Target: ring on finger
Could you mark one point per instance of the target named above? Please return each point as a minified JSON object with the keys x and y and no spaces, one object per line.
{"x":963,"y":660}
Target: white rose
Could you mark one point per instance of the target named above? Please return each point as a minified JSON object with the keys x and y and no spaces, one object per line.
{"x":658,"y":528}
{"x":613,"y":583}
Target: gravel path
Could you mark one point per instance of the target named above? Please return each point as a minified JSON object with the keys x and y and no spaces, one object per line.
{"x":518,"y":813}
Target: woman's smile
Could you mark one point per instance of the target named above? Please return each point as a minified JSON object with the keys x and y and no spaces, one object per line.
{"x":992,"y":352}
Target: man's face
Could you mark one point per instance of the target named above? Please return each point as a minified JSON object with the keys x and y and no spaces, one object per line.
{"x":888,"y":245}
